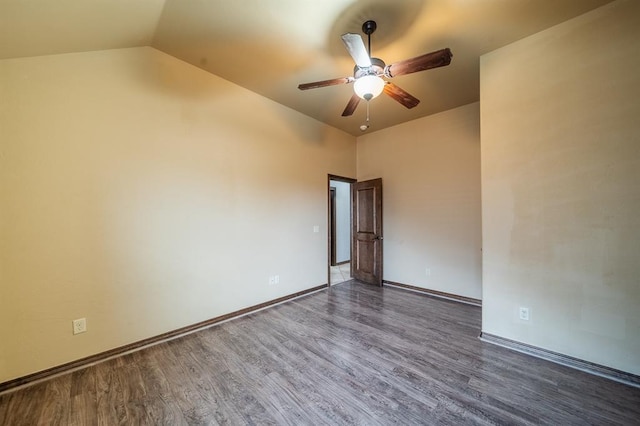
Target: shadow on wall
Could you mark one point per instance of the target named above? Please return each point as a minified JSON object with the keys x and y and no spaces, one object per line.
{"x":208,"y":97}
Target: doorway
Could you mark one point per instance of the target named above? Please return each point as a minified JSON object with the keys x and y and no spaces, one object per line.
{"x":363,"y":258}
{"x":339,"y":228}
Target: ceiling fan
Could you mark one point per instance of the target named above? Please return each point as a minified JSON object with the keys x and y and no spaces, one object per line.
{"x":368,"y":72}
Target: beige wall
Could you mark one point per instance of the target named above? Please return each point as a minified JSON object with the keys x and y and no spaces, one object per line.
{"x":430,"y":170}
{"x":145,"y":194}
{"x":561,"y":188}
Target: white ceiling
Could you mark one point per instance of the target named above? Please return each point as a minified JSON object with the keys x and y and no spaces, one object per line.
{"x":270,"y":46}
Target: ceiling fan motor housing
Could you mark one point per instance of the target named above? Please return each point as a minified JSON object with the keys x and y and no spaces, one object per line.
{"x":377,"y":68}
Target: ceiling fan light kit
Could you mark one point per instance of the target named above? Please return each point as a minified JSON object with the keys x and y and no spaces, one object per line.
{"x":367,"y":76}
{"x":368,"y":87}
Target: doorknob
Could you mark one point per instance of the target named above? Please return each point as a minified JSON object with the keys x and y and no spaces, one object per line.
{"x":377,"y":237}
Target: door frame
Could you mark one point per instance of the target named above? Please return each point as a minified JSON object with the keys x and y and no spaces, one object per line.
{"x":350,"y":181}
{"x":332,"y":226}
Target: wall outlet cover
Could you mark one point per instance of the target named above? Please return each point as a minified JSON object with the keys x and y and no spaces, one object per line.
{"x":79,"y":325}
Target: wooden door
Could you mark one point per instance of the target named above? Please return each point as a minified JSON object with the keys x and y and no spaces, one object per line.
{"x":367,"y":231}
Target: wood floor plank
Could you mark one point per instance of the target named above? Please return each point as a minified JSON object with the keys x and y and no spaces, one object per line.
{"x":185,"y":383}
{"x":134,"y":387}
{"x":110,"y":403}
{"x":160,"y":403}
{"x":55,"y":410}
{"x":25,"y":402}
{"x":351,"y":354}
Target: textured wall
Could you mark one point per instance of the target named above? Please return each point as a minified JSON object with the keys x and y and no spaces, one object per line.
{"x":430,"y":170}
{"x":561,"y":188}
{"x":145,"y":194}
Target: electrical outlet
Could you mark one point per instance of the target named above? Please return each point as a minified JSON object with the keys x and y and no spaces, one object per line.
{"x":79,"y":325}
{"x":428,"y":272}
{"x":524,"y":313}
{"x":316,"y":229}
{"x":274,"y":279}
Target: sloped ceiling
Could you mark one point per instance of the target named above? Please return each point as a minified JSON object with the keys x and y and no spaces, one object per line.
{"x":270,"y":46}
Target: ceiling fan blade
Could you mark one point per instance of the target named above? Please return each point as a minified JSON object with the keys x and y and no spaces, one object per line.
{"x":400,"y":95}
{"x":325,"y":83}
{"x":357,"y":50}
{"x":436,"y":59}
{"x":351,"y":106}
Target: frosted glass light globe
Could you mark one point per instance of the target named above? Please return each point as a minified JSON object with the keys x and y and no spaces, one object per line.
{"x":368,"y":86}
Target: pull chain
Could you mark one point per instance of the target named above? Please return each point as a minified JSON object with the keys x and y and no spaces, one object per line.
{"x":365,"y":126}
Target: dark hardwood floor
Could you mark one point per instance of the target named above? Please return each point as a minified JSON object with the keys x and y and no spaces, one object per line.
{"x":352,"y":354}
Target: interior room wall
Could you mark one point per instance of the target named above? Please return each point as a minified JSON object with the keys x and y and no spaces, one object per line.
{"x":560,"y":188}
{"x":430,"y":170}
{"x":343,"y":220}
{"x":144,"y":194}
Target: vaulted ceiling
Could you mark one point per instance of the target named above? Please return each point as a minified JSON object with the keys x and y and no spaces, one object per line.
{"x":270,"y":46}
